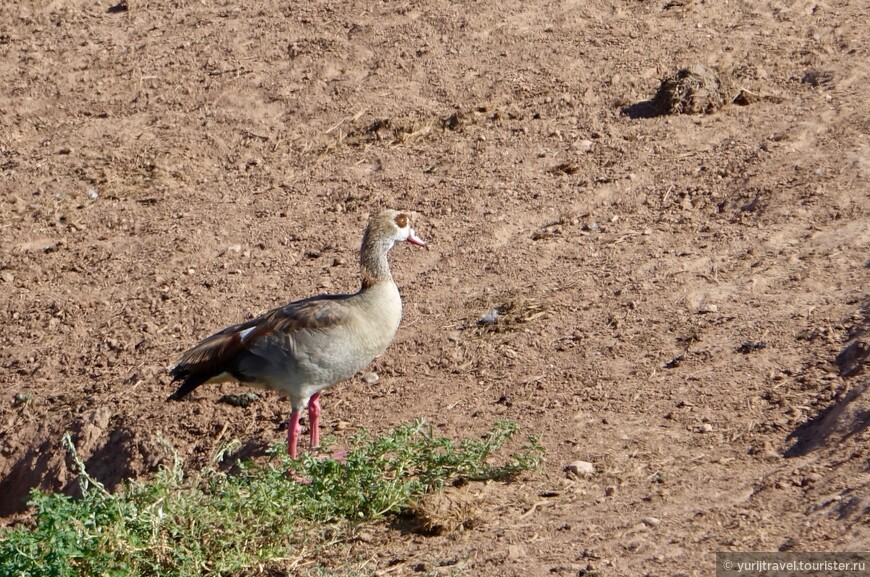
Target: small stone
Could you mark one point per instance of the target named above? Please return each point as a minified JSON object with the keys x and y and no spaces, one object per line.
{"x":21,"y":398}
{"x":7,"y":277}
{"x":93,"y":194}
{"x":580,"y":468}
{"x":45,"y":245}
{"x":516,"y":551}
{"x":489,"y":318}
{"x":370,"y":378}
{"x":584,"y":145}
{"x":706,"y":428}
{"x":651,"y":521}
{"x":750,"y":346}
{"x":609,"y":491}
{"x":364,"y":537}
{"x":810,"y":479}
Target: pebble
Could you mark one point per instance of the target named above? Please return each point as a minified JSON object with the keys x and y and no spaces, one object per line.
{"x":42,"y":245}
{"x":810,"y":479}
{"x":364,"y":537}
{"x":580,"y":468}
{"x":370,"y":378}
{"x":7,"y":277}
{"x":517,"y":551}
{"x":489,"y":318}
{"x":706,"y":428}
{"x":584,"y":145}
{"x":651,"y":521}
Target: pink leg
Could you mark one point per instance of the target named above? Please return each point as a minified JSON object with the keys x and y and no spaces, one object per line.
{"x":314,"y":420}
{"x":314,"y":425}
{"x":293,"y":431}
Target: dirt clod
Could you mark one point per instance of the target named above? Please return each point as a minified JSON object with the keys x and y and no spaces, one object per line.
{"x":448,"y":511}
{"x":580,"y":468}
{"x":698,"y":89}
{"x":242,"y":400}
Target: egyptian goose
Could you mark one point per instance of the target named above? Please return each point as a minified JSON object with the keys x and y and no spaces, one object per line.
{"x":304,"y":347}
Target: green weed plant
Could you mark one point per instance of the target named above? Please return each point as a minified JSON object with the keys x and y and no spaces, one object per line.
{"x":257,"y":519}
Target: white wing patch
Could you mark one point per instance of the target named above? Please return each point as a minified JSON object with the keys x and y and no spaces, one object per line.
{"x":244,"y":334}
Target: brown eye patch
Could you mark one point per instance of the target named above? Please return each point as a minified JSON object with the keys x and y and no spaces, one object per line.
{"x":402,"y":220}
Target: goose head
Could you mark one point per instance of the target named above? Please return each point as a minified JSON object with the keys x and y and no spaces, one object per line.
{"x":384,"y":230}
{"x":387,"y":228}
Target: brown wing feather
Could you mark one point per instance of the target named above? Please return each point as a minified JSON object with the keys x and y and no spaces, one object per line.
{"x":214,"y":355}
{"x":317,"y":313}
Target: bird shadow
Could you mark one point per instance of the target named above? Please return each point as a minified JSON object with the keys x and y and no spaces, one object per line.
{"x":408,"y":523}
{"x":644,"y":109}
{"x":254,"y":450}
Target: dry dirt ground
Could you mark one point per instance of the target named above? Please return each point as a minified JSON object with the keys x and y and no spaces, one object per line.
{"x":684,"y":298}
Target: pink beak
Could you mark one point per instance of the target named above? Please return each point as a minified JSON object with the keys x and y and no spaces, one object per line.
{"x":414,"y":239}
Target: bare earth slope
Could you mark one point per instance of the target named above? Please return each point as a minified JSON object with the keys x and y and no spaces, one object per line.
{"x":179,"y":166}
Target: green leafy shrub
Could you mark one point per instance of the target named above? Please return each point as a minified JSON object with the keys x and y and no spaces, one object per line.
{"x":264,"y":516}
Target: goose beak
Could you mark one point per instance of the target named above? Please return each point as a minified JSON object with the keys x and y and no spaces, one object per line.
{"x":414,"y":239}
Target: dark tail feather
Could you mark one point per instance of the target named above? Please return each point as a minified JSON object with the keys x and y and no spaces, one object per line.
{"x":189,"y":382}
{"x":209,"y":358}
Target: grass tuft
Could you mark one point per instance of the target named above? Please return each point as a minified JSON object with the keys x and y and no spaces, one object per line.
{"x":261,"y":518}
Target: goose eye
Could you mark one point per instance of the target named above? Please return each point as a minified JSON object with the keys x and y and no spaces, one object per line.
{"x":402,"y":220}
